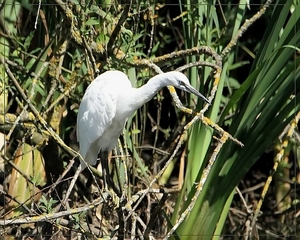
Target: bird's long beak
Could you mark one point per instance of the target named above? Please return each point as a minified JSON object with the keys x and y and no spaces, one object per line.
{"x":194,"y":91}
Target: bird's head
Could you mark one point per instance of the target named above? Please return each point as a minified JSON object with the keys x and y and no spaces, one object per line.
{"x":180,"y":81}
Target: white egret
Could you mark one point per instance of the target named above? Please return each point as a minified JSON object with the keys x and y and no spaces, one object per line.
{"x":106,"y":105}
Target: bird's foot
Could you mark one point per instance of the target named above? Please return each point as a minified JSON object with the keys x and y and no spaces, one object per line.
{"x":115,"y":200}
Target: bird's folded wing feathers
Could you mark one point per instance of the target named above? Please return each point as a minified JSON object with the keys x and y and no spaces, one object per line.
{"x":96,"y":112}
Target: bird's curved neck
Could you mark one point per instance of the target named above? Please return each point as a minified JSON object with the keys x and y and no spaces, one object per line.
{"x":146,"y":92}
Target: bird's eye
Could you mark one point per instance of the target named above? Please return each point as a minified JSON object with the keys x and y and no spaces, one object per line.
{"x":181,"y":83}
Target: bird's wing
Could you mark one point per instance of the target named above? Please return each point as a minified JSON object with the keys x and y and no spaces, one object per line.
{"x":96,"y":112}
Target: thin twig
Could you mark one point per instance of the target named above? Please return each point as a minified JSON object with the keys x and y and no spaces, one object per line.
{"x":36,"y":112}
{"x":117,"y":28}
{"x":244,"y":28}
{"x":51,"y":216}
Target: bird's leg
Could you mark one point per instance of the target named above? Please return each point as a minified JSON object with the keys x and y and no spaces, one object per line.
{"x":105,"y":167}
{"x":108,"y":183}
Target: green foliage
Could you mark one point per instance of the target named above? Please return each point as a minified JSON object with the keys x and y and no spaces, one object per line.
{"x":46,"y":205}
{"x":263,"y":105}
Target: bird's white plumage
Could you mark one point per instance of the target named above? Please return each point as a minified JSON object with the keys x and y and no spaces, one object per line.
{"x":97,"y":112}
{"x":109,"y":101}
